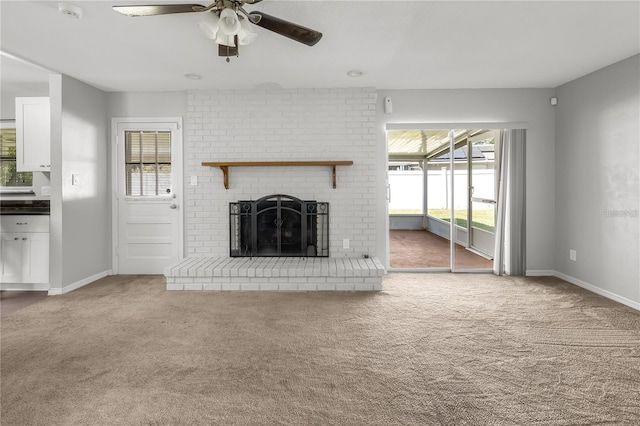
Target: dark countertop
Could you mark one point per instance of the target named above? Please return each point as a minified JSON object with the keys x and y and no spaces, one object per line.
{"x":34,"y":207}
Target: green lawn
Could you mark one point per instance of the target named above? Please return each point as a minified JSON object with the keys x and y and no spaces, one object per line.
{"x":483,"y":219}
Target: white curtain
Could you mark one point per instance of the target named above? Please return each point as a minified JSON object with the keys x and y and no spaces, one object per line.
{"x":509,"y":256}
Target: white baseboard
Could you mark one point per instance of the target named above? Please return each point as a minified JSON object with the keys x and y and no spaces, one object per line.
{"x":24,"y":287}
{"x":78,"y":284}
{"x":598,"y":290}
{"x":592,"y":288}
{"x":540,"y":273}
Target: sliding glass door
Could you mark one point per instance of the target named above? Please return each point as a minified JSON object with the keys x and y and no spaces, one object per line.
{"x":442,"y":193}
{"x":475,"y":187}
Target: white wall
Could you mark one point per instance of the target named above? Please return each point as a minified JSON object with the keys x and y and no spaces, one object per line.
{"x":281,"y":125}
{"x":597,"y":180}
{"x":80,"y":214}
{"x":530,"y":106}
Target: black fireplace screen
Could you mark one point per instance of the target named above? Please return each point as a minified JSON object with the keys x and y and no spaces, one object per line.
{"x":279,"y":225}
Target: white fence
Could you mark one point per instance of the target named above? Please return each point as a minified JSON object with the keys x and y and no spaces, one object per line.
{"x":406,"y":189}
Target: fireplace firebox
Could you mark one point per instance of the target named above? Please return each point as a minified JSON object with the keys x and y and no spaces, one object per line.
{"x":279,"y":226}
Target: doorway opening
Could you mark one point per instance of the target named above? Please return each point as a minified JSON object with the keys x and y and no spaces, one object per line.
{"x":443,"y":186}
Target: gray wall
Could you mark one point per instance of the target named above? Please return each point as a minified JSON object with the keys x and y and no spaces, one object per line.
{"x":529,"y":106}
{"x":8,"y":99}
{"x":81,"y":217}
{"x":147,"y":104}
{"x":597,"y":179}
{"x":81,"y":213}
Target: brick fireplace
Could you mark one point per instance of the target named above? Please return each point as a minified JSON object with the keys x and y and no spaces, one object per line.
{"x":283,"y":125}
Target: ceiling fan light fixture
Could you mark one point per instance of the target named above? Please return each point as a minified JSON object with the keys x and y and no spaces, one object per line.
{"x":225,"y":40}
{"x":247,"y":34}
{"x":229,"y":23}
{"x":209,"y":25}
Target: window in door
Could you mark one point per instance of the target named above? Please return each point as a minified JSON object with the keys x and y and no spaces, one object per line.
{"x":147,"y":163}
{"x":10,"y":177}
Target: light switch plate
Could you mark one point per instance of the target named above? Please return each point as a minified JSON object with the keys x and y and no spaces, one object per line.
{"x":75,"y":180}
{"x":45,"y":190}
{"x":194,"y":180}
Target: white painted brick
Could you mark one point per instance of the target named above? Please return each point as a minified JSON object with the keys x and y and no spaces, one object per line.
{"x":269,"y":286}
{"x":175,"y":287}
{"x":212,"y":286}
{"x":230,"y":286}
{"x":249,"y":286}
{"x":193,"y":286}
{"x":299,"y":124}
{"x":364,"y":286}
{"x":326,"y":287}
{"x":286,"y":286}
{"x":307,"y":286}
{"x":344,"y":286}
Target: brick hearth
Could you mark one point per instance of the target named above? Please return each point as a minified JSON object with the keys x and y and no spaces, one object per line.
{"x":276,"y":273}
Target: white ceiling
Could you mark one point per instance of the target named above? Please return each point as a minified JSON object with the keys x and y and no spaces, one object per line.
{"x":397,"y":44}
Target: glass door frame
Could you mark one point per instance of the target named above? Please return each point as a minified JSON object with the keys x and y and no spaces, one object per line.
{"x":451,"y":127}
{"x":468,"y":197}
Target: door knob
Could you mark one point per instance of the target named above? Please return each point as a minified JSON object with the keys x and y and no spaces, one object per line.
{"x":173,"y":206}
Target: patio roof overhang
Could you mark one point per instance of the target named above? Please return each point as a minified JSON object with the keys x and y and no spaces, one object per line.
{"x":425,"y":144}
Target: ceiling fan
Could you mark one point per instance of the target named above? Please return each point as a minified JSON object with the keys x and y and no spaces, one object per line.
{"x":227,"y":22}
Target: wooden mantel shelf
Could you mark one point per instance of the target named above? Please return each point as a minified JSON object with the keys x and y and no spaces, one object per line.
{"x":224,"y":166}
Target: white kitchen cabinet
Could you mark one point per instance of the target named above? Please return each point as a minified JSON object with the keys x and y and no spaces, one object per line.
{"x":24,"y":258}
{"x":33,"y":134}
{"x":11,"y":254}
{"x":24,"y":249}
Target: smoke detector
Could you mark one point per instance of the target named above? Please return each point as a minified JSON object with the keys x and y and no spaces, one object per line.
{"x":70,"y":10}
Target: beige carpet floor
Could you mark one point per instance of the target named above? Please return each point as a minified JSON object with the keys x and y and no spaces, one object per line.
{"x":430,"y":349}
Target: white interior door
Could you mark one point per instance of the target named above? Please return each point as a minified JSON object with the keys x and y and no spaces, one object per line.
{"x":148,"y":232}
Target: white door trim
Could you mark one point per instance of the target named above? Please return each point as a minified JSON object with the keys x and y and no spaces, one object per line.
{"x":177,"y":167}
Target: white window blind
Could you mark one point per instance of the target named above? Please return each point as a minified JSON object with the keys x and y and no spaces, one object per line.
{"x":148,"y":163}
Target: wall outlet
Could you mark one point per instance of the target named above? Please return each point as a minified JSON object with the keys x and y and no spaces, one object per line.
{"x":573,"y":255}
{"x":345,"y":243}
{"x":46,"y":190}
{"x":194,"y":180}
